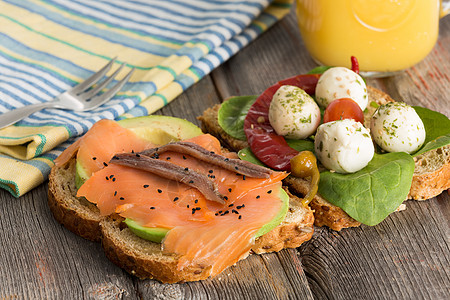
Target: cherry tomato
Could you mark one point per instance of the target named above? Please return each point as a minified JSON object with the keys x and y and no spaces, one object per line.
{"x":343,"y":108}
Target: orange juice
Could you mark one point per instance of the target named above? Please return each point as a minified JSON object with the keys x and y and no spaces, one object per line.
{"x":384,"y":35}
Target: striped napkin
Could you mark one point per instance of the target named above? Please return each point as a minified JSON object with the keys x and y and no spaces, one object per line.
{"x":46,"y":47}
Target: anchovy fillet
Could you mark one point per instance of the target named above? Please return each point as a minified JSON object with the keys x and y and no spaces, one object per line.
{"x":194,"y":150}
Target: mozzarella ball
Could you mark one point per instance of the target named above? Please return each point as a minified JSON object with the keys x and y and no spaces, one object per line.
{"x":340,"y":82}
{"x":396,"y":127}
{"x":344,"y":146}
{"x":293,"y":113}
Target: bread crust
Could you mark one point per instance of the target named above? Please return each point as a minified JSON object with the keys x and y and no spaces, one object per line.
{"x":76,"y":214}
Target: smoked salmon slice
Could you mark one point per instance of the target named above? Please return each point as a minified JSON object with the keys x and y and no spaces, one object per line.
{"x":203,"y":233}
{"x":95,"y":149}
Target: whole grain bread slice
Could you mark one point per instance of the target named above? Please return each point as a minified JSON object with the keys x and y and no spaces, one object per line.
{"x":431,"y":176}
{"x":143,"y":258}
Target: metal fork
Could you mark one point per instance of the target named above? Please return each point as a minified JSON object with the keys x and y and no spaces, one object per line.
{"x":82,"y":97}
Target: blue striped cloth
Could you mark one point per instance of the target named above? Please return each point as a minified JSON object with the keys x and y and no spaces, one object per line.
{"x":46,"y":47}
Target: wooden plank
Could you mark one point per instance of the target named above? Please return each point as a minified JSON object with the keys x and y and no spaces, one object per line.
{"x":42,"y":260}
{"x":404,"y":257}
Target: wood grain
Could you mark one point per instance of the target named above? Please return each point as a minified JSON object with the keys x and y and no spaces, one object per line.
{"x":405,"y":257}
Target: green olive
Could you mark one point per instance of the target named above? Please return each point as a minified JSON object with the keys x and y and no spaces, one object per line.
{"x":304,"y":165}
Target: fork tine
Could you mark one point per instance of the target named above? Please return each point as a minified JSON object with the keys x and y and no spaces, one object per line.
{"x":100,"y":99}
{"x":93,"y":78}
{"x":100,"y":86}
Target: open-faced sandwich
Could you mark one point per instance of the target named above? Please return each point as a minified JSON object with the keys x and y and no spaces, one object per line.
{"x":173,"y":203}
{"x":167,"y":202}
{"x":373,"y":152}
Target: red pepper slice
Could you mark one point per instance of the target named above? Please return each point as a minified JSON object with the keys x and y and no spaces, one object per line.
{"x":271,"y":148}
{"x":355,"y":64}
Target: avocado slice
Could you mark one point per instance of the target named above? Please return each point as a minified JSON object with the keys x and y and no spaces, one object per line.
{"x":157,"y":234}
{"x":156,"y":129}
{"x":152,"y":234}
{"x":178,"y":128}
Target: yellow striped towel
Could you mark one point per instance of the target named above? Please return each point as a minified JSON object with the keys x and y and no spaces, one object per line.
{"x":46,"y":47}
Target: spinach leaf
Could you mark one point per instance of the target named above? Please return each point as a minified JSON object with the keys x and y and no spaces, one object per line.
{"x":232,"y":114}
{"x":436,"y":124}
{"x":437,"y":128}
{"x":301,"y":145}
{"x":434,"y":144}
{"x":247,"y":155}
{"x":374,"y":192}
{"x":319,"y":70}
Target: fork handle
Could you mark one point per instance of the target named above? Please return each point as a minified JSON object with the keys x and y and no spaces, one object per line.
{"x":18,"y":114}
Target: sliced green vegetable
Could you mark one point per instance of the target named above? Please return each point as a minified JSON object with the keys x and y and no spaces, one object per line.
{"x":374,"y":192}
{"x":232,"y":114}
{"x":437,"y":128}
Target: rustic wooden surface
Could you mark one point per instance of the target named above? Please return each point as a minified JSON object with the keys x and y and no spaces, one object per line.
{"x":404,"y":257}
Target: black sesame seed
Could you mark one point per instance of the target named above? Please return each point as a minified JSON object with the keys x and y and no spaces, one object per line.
{"x":115,"y":157}
{"x":230,"y":190}
{"x":114,"y":179}
{"x":269,"y":191}
{"x":105,"y":164}
{"x":198,"y":208}
{"x":187,"y":206}
{"x":193,"y":211}
{"x":211,"y":152}
{"x":94,"y":158}
{"x":243,"y":177}
{"x":196,"y":201}
{"x":111,"y":176}
{"x":168,"y":158}
{"x":107,"y":178}
{"x":225,"y":212}
{"x":220,"y":211}
{"x":235,"y":211}
{"x":231,"y":205}
{"x":122,"y":198}
{"x":115,"y":193}
{"x":226,"y":159}
{"x":132,"y":151}
{"x":236,"y":168}
{"x":240,"y":217}
{"x":159,"y":191}
{"x":211,"y":171}
{"x":152,"y":207}
{"x":145,"y":186}
{"x":175,"y":199}
{"x":225,"y":197}
{"x":257,"y":197}
{"x":184,"y":157}
{"x":186,"y":169}
{"x":191,"y":181}
{"x":216,"y":214}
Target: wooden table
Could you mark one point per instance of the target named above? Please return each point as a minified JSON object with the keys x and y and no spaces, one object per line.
{"x":404,"y":257}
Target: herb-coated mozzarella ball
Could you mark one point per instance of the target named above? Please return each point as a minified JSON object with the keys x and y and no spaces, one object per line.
{"x":396,"y":127}
{"x":293,"y":113}
{"x":344,"y":146}
{"x":340,"y":82}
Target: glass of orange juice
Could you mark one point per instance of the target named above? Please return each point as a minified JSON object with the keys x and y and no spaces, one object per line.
{"x":386,"y":36}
